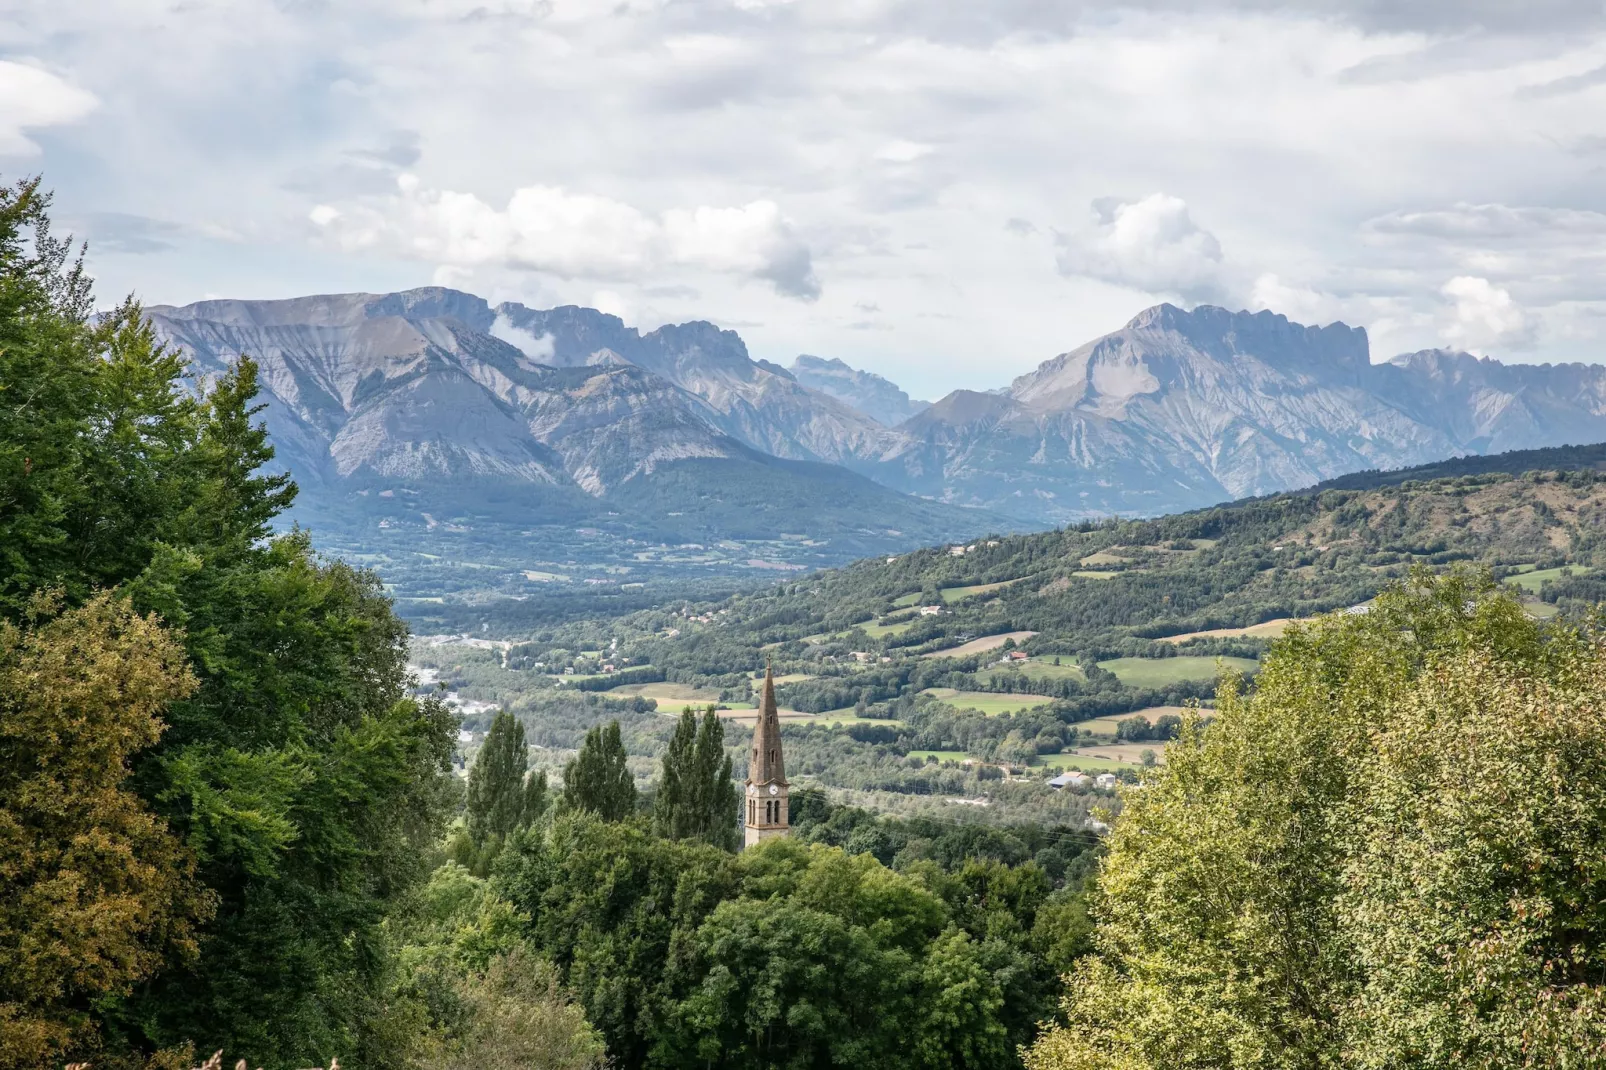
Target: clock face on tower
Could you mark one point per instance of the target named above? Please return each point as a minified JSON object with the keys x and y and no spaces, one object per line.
{"x":774,"y":790}
{"x":752,"y":789}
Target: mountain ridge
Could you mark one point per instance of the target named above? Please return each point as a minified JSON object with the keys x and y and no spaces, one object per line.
{"x":1178,"y":409}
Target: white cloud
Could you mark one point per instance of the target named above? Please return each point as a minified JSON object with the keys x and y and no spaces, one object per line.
{"x":523,"y":339}
{"x":575,"y":235}
{"x":901,"y":151}
{"x":1283,"y":126}
{"x":1484,"y":316}
{"x":1152,"y":245}
{"x":32,"y":98}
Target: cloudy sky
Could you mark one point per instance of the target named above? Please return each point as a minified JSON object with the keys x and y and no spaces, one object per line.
{"x":944,"y":191}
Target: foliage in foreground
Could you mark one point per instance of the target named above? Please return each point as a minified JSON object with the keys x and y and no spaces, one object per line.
{"x":304,"y":785}
{"x":94,"y":889}
{"x":1390,"y":855}
{"x":791,"y":953}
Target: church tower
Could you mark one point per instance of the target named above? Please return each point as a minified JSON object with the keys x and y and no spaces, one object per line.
{"x":766,"y":773}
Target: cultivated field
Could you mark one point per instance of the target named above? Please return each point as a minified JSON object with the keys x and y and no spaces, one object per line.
{"x":1160,"y":672}
{"x":979,"y":646}
{"x":988,"y":702}
{"x":1267,"y":629}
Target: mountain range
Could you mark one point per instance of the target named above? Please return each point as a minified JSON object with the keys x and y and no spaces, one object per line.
{"x":433,"y":408}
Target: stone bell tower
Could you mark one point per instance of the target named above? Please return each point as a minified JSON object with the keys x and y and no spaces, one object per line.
{"x":766,"y":773}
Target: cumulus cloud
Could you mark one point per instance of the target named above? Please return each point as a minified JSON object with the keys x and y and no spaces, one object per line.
{"x":32,"y":98}
{"x":1484,"y":316}
{"x":537,"y":348}
{"x":1151,"y":245}
{"x":575,"y":235}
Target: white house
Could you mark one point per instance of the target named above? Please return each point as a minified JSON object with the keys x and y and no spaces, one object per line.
{"x":1105,"y":781}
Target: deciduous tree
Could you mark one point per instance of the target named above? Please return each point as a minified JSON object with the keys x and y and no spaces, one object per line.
{"x":96,"y":892}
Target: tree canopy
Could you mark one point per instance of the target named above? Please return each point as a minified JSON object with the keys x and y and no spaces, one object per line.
{"x":1387,"y":855}
{"x":298,"y":775}
{"x":696,"y":797}
{"x":598,"y":780}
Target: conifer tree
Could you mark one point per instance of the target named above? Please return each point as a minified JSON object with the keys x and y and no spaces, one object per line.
{"x":598,"y":779}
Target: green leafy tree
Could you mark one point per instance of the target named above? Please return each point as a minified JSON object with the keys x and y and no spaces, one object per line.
{"x":1381,"y":858}
{"x":298,"y":773}
{"x":502,"y":798}
{"x":697,"y":798}
{"x":468,"y":990}
{"x":95,"y":890}
{"x":598,"y":779}
{"x":613,"y":906}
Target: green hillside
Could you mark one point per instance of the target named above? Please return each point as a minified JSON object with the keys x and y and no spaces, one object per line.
{"x":1108,"y":619}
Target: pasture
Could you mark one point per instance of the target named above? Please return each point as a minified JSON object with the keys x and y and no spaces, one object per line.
{"x":1161,"y":672}
{"x":1531,"y":581}
{"x":1086,"y":763}
{"x":979,"y":646}
{"x":1266,"y":629}
{"x":950,"y":595}
{"x":988,"y":702}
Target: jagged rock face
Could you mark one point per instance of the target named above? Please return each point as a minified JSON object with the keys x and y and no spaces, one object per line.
{"x":1176,"y":410}
{"x":758,"y":403}
{"x":878,"y":398}
{"x":1181,"y":409}
{"x":411,"y":386}
{"x":1489,"y":407}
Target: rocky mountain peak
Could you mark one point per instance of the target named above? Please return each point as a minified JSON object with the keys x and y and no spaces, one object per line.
{"x":877,"y":397}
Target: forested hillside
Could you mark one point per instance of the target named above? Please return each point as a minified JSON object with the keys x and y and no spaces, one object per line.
{"x":957,"y":671}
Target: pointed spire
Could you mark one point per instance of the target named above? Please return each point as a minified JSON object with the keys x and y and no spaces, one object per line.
{"x":765,"y":765}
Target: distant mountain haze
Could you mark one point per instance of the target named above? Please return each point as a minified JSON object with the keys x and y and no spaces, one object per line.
{"x":514,"y":416}
{"x":1176,"y":410}
{"x":878,"y":398}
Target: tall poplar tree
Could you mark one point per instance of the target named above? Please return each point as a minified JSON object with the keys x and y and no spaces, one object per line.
{"x":502,"y":798}
{"x":598,"y":779}
{"x":496,"y":783}
{"x":696,"y":796}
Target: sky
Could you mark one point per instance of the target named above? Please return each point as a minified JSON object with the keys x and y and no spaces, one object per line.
{"x":944,"y":192}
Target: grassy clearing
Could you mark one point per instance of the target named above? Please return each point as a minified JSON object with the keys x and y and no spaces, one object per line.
{"x":1094,"y":574}
{"x":940,"y":755}
{"x":979,"y":646}
{"x":666,"y":693}
{"x":1160,"y":672}
{"x":1539,"y":610}
{"x":950,"y":595}
{"x":1103,"y":557}
{"x":880,"y":631}
{"x":1108,"y":724}
{"x":910,"y":599}
{"x":1531,"y":581}
{"x":1045,"y":669}
{"x":840,"y":718}
{"x":1266,"y":629}
{"x":990,"y":703}
{"x":1083,"y":762}
{"x":1131,"y":753}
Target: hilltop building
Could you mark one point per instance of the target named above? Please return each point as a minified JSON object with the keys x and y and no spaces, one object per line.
{"x":766,"y":773}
